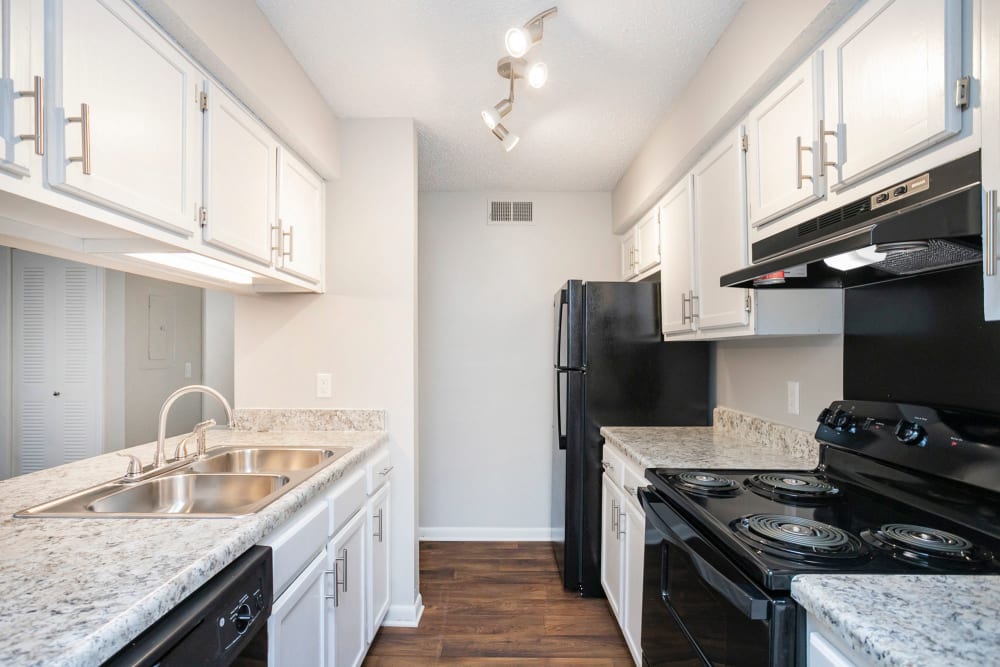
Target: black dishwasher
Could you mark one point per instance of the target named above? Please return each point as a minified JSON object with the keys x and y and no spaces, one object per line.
{"x":222,"y":623}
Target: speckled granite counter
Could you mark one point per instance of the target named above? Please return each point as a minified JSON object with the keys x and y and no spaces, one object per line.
{"x":737,"y":440}
{"x":77,"y":590}
{"x":908,"y":620}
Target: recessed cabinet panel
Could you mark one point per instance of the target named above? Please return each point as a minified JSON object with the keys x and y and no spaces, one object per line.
{"x":300,"y":218}
{"x":891,"y":74}
{"x":648,"y":237}
{"x":782,"y":129}
{"x":345,"y":618}
{"x":629,"y":248}
{"x":721,"y":239}
{"x":379,"y":532}
{"x":20,"y":110}
{"x":611,"y":553}
{"x":677,"y":272}
{"x":125,"y":127}
{"x":240,"y":167}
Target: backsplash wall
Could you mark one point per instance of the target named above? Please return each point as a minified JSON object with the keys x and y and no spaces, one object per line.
{"x":922,"y":340}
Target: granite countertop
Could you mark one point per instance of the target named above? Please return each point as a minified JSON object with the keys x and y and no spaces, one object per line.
{"x":76,"y":590}
{"x":908,"y":620}
{"x":737,"y":440}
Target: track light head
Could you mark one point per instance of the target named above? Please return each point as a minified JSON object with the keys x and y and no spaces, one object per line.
{"x":507,"y":139}
{"x":519,"y":41}
{"x":538,"y":74}
{"x":493,"y":115}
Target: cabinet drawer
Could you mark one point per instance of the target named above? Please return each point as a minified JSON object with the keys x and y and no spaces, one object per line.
{"x":294,"y":545}
{"x":614,"y":465}
{"x":634,"y":480}
{"x":347,"y":499}
{"x":379,"y":470}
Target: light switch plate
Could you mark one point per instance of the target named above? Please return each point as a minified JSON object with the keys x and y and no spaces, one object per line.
{"x":324,"y":385}
{"x":793,"y":397}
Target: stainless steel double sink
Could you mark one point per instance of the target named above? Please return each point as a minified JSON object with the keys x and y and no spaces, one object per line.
{"x":226,"y":482}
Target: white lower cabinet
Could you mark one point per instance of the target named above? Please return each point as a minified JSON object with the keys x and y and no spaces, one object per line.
{"x":825,"y":650}
{"x":378,"y":559}
{"x":347,"y":640}
{"x":295,"y":628}
{"x":623,"y":542}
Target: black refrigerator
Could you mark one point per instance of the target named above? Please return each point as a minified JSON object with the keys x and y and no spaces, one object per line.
{"x":611,"y":369}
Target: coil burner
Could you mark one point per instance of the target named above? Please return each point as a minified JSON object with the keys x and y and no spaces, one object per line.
{"x":928,"y":547}
{"x":793,"y":488}
{"x":798,"y":539}
{"x":704,"y":484}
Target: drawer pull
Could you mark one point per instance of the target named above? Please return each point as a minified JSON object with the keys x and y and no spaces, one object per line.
{"x":84,"y":120}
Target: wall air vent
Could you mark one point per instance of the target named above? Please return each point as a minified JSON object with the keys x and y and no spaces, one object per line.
{"x":511,"y":213}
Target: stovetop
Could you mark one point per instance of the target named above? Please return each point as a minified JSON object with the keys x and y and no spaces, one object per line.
{"x":890,"y":496}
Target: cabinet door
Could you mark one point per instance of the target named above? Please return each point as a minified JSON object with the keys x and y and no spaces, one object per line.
{"x":629,"y":259}
{"x":240,"y":179}
{"x":892,"y":70}
{"x":20,"y":109}
{"x":648,"y":240}
{"x":635,"y":545}
{"x":721,"y":243}
{"x":611,"y":565}
{"x":781,"y":138}
{"x":302,"y":247}
{"x":990,"y":96}
{"x":295,"y":628}
{"x":676,"y":246}
{"x":378,"y":570}
{"x":136,"y":145}
{"x":345,"y":617}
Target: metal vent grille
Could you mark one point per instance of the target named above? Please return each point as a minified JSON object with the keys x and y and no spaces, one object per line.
{"x":511,"y":213}
{"x":939,"y":254}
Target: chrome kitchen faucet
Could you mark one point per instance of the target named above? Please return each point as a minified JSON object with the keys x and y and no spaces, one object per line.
{"x":161,"y":433}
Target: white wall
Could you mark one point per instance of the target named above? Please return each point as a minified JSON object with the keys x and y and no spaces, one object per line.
{"x":764,"y":39}
{"x":217,"y":352}
{"x":149,"y":381}
{"x":486,"y":355}
{"x":363,"y":330}
{"x":751,"y":375}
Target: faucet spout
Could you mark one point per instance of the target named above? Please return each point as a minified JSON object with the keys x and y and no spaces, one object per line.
{"x":160,"y":458}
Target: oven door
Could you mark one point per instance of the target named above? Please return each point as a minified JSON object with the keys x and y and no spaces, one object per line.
{"x":699,"y":608}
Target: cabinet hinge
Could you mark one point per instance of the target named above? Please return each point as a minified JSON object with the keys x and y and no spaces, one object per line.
{"x":962,"y":93}
{"x":745,"y":143}
{"x":202,"y":216}
{"x":747,"y":301}
{"x":203,"y":100}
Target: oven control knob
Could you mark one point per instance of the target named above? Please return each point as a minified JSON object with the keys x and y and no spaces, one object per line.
{"x":842,"y":421}
{"x":909,"y":433}
{"x":243,"y":618}
{"x":831,"y":419}
{"x":823,"y":415}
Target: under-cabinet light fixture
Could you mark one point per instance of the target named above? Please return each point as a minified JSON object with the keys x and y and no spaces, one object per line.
{"x":518,"y":42}
{"x":197,"y":264}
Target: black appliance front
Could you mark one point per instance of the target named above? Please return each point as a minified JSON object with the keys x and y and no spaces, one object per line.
{"x":627,"y":376}
{"x":700,"y":609}
{"x":222,"y":623}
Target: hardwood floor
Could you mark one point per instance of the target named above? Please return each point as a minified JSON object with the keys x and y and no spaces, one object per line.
{"x":500,"y":603}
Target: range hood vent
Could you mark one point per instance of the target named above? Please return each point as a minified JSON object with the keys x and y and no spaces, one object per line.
{"x":929,"y":222}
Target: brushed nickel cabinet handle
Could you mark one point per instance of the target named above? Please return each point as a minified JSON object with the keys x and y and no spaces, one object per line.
{"x":276,"y":238}
{"x":692,"y":298}
{"x":823,"y":134}
{"x":84,"y":120}
{"x":799,"y":148}
{"x":386,"y":470}
{"x":990,"y":233}
{"x":344,"y":559}
{"x":38,"y":93}
{"x":378,"y":533}
{"x":621,"y":526}
{"x":290,"y":235}
{"x":631,"y":490}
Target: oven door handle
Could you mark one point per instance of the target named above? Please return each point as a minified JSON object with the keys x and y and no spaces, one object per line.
{"x":743,"y":596}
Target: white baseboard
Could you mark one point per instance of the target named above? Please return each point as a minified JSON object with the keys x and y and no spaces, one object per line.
{"x":474,"y":534}
{"x":405,"y":615}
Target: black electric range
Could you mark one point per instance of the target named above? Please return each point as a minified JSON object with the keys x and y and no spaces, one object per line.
{"x":900,"y":489}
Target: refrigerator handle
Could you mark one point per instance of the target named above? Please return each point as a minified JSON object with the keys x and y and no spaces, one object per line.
{"x":563,"y":300}
{"x":560,"y":435}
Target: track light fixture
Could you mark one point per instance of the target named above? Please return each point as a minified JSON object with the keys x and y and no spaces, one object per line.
{"x":518,"y":42}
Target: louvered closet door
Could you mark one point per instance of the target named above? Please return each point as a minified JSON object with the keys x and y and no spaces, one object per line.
{"x":57,"y":346}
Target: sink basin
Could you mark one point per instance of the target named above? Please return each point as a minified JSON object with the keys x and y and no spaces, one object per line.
{"x":230,"y":481}
{"x":263,"y":460}
{"x":190,"y":494}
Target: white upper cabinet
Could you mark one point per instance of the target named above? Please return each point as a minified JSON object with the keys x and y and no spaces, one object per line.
{"x":648,"y":240}
{"x":630,"y":259}
{"x":124,"y":122}
{"x":301,"y":246}
{"x":721,"y":242}
{"x":891,"y":72}
{"x":22,"y":86}
{"x":677,"y":269}
{"x":240,"y":180}
{"x":782,"y":130}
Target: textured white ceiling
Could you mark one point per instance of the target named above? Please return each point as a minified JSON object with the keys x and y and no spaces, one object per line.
{"x":615,"y":66}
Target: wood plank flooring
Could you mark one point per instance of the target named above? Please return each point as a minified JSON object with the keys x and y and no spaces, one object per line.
{"x":500,"y":603}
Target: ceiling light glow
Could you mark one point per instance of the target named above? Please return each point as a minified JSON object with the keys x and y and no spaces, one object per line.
{"x":507,"y":139}
{"x":538,"y":75}
{"x":517,"y":41}
{"x":854,"y":259}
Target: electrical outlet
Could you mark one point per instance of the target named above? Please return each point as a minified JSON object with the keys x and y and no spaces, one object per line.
{"x":187,"y":369}
{"x":324,"y":385}
{"x":793,"y":397}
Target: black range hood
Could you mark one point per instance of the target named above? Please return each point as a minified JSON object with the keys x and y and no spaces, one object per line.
{"x":926,"y":223}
